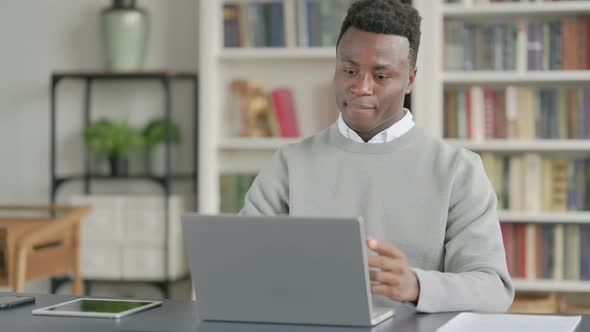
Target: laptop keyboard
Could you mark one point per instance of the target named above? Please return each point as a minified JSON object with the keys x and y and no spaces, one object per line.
{"x":379,"y":311}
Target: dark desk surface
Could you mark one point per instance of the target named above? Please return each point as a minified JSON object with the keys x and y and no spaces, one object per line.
{"x":181,"y":316}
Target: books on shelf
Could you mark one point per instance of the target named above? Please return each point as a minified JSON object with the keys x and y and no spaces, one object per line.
{"x":233,"y":188}
{"x":539,"y":44}
{"x":531,"y":183}
{"x":517,"y":112}
{"x":547,"y":251}
{"x":256,"y":24}
{"x":483,"y":2}
{"x":283,"y":23}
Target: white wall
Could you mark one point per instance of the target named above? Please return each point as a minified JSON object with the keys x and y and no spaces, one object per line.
{"x":38,"y":37}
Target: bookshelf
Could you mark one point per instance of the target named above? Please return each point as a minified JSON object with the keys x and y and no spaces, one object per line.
{"x":551,"y":286}
{"x":539,"y":145}
{"x":299,"y":53}
{"x":309,"y":70}
{"x":514,"y":9}
{"x":516,"y":78}
{"x":271,"y":143}
{"x":571,"y":217}
{"x":447,"y":77}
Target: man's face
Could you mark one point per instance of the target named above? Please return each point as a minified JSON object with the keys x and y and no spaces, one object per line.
{"x":373,"y":74}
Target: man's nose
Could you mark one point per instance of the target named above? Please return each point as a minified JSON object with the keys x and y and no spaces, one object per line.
{"x":363,"y":85}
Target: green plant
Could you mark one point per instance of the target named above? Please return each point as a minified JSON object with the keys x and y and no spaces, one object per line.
{"x":155,"y":132}
{"x":113,"y":139}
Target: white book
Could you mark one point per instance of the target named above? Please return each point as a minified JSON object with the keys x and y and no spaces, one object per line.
{"x":454,"y":44}
{"x":572,"y":252}
{"x":302,"y":26}
{"x":558,"y":260}
{"x":477,"y":113}
{"x":531,"y":251}
{"x":516,"y":183}
{"x":533,"y":177}
{"x":511,"y":112}
{"x":521,"y":47}
{"x":289,"y":19}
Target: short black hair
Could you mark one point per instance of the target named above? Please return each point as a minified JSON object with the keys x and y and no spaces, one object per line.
{"x":390,"y":17}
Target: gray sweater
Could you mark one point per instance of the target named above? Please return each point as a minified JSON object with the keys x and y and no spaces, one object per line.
{"x":429,"y":199}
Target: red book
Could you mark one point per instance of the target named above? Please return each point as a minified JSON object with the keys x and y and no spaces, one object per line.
{"x":587,"y":22}
{"x":500,"y":115}
{"x":283,"y":107}
{"x":521,"y":250}
{"x":508,"y":239}
{"x":489,"y":110}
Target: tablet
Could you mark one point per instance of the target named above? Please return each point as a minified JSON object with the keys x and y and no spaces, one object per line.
{"x":98,"y":308}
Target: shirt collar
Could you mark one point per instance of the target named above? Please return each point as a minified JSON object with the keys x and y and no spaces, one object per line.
{"x":394,"y":131}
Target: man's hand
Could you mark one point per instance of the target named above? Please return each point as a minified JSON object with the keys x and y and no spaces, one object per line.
{"x":394,"y":279}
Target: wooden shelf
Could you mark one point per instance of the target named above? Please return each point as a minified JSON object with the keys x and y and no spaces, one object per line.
{"x":242,"y":143}
{"x":574,"y":217}
{"x":139,"y":74}
{"x":540,"y":145}
{"x":512,"y":77}
{"x":551,"y":285}
{"x":312,"y":53}
{"x":512,"y":10}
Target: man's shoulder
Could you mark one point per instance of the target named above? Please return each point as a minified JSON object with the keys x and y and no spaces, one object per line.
{"x":307,"y":144}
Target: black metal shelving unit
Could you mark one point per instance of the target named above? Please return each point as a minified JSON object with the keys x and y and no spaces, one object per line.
{"x":166,"y":78}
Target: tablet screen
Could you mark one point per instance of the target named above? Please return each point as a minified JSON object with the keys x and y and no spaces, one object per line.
{"x":103,"y":306}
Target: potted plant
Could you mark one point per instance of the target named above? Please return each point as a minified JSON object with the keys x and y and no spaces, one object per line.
{"x":154,"y":137}
{"x":114,"y":140}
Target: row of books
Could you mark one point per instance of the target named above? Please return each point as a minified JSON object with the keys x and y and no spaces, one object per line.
{"x":283,"y":23}
{"x":547,"y":251}
{"x":482,"y":2}
{"x":529,"y":182}
{"x":536,"y":45}
{"x":517,"y":112}
{"x":233,"y":188}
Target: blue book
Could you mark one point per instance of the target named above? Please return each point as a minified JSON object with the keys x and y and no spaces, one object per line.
{"x":469,"y":55}
{"x":257,"y":24}
{"x":510,"y":35}
{"x":277,"y":25}
{"x":313,"y":23}
{"x":586,"y":106}
{"x":553,"y":114}
{"x":461,"y":115}
{"x":498,"y":46}
{"x":585,"y":252}
{"x":535,"y":46}
{"x":572,"y":194}
{"x":548,"y":236}
{"x":579,"y":95}
{"x":580,"y":183}
{"x":542,"y":119}
{"x":554,"y":45}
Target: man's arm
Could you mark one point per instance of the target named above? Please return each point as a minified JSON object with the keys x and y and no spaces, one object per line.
{"x":475,"y":275}
{"x":269,"y":193}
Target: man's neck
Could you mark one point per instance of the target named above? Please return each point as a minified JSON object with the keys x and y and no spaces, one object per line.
{"x":367,"y":135}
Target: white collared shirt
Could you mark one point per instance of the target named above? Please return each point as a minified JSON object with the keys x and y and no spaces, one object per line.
{"x":394,"y":131}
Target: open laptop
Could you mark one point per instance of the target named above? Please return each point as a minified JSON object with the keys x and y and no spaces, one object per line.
{"x":281,"y":270}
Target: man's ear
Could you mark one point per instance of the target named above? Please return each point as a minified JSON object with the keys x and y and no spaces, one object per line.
{"x":411,"y":79}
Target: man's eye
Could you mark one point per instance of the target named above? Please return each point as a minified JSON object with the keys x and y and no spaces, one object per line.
{"x":349,"y":71}
{"x":380,"y":77}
